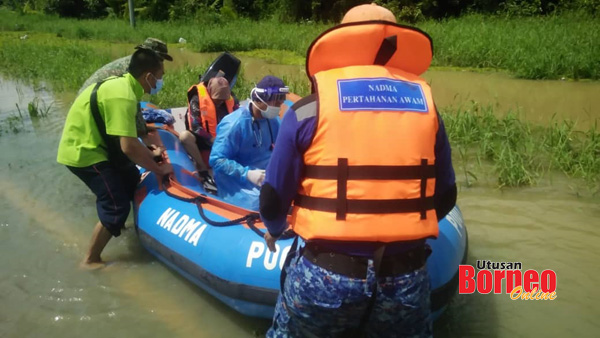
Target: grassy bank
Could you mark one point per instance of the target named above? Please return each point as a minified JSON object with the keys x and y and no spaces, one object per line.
{"x":64,"y":64}
{"x":566,"y":45}
{"x":239,"y":35}
{"x":519,"y":152}
{"x":552,"y":47}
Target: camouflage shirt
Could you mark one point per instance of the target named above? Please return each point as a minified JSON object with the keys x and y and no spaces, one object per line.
{"x":116,"y":68}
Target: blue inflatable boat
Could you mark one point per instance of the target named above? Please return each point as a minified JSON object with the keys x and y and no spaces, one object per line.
{"x":231,"y":262}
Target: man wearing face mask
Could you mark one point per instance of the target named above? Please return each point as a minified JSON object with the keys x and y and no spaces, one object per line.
{"x":244,"y":143}
{"x":119,"y":67}
{"x":99,"y":145}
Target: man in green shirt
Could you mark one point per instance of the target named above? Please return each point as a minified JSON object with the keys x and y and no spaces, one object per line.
{"x":99,"y":145}
{"x":119,"y":67}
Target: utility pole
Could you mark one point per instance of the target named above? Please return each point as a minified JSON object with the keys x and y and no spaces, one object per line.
{"x":131,"y":15}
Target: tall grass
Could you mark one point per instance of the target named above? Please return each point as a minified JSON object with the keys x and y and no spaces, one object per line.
{"x":552,"y":47}
{"x":65,"y":63}
{"x":177,"y":83}
{"x":238,"y":35}
{"x":566,"y":45}
{"x":37,"y":109}
{"x":520,"y":151}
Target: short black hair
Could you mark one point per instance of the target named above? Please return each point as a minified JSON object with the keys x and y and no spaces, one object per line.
{"x":144,"y":60}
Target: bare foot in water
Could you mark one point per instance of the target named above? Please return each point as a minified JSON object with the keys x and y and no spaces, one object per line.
{"x":92,"y":259}
{"x":85,"y":265}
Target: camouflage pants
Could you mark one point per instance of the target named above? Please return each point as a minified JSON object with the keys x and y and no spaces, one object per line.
{"x":319,"y":303}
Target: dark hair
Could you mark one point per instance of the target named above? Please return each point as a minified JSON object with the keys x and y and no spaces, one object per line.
{"x":144,"y":60}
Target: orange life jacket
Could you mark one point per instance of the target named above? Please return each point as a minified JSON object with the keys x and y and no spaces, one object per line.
{"x":370,"y":172}
{"x":208,"y":112}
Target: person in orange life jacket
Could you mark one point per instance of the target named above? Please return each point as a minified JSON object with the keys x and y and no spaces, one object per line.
{"x":99,"y":145}
{"x":207,"y":107}
{"x":244,"y":143}
{"x":364,"y":202}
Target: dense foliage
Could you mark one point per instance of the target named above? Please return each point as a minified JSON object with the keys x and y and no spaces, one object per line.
{"x":294,"y":10}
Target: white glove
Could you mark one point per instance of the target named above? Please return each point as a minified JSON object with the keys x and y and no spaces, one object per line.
{"x":256,"y":176}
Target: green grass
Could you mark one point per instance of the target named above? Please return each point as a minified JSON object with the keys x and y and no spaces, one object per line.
{"x":282,"y":57}
{"x":41,"y":57}
{"x":520,"y":152}
{"x":565,"y":45}
{"x":37,"y":109}
{"x":66,"y":63}
{"x":239,"y":35}
{"x":178,"y":81}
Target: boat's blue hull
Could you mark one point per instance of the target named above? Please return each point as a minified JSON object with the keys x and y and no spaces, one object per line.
{"x":233,"y":263}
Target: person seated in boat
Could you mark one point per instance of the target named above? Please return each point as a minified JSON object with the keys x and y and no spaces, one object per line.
{"x":207,"y":105}
{"x":244,"y":143}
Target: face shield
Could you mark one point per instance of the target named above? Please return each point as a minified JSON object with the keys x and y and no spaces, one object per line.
{"x":272,"y":97}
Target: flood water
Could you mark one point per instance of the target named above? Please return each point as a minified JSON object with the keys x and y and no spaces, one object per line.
{"x":47,"y":215}
{"x":539,"y":101}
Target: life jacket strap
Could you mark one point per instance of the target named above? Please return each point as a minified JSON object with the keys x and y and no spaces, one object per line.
{"x":391,"y":206}
{"x":388,"y":47}
{"x":342,"y":172}
{"x":372,"y":172}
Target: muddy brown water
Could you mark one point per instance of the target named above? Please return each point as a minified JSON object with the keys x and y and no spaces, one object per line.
{"x":539,"y":101}
{"x":47,"y":215}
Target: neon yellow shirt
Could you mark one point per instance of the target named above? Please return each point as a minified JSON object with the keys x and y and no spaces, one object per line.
{"x":117,"y":102}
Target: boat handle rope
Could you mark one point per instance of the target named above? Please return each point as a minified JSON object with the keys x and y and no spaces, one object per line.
{"x":250,"y":218}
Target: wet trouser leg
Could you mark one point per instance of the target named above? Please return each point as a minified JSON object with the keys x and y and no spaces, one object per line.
{"x":403,"y":306}
{"x":317,"y":302}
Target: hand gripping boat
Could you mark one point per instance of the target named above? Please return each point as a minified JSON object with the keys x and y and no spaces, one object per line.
{"x":219,"y":246}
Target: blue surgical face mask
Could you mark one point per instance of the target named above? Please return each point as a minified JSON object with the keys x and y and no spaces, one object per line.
{"x":159,"y":84}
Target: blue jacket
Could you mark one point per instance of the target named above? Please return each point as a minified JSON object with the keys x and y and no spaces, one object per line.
{"x":242,"y":143}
